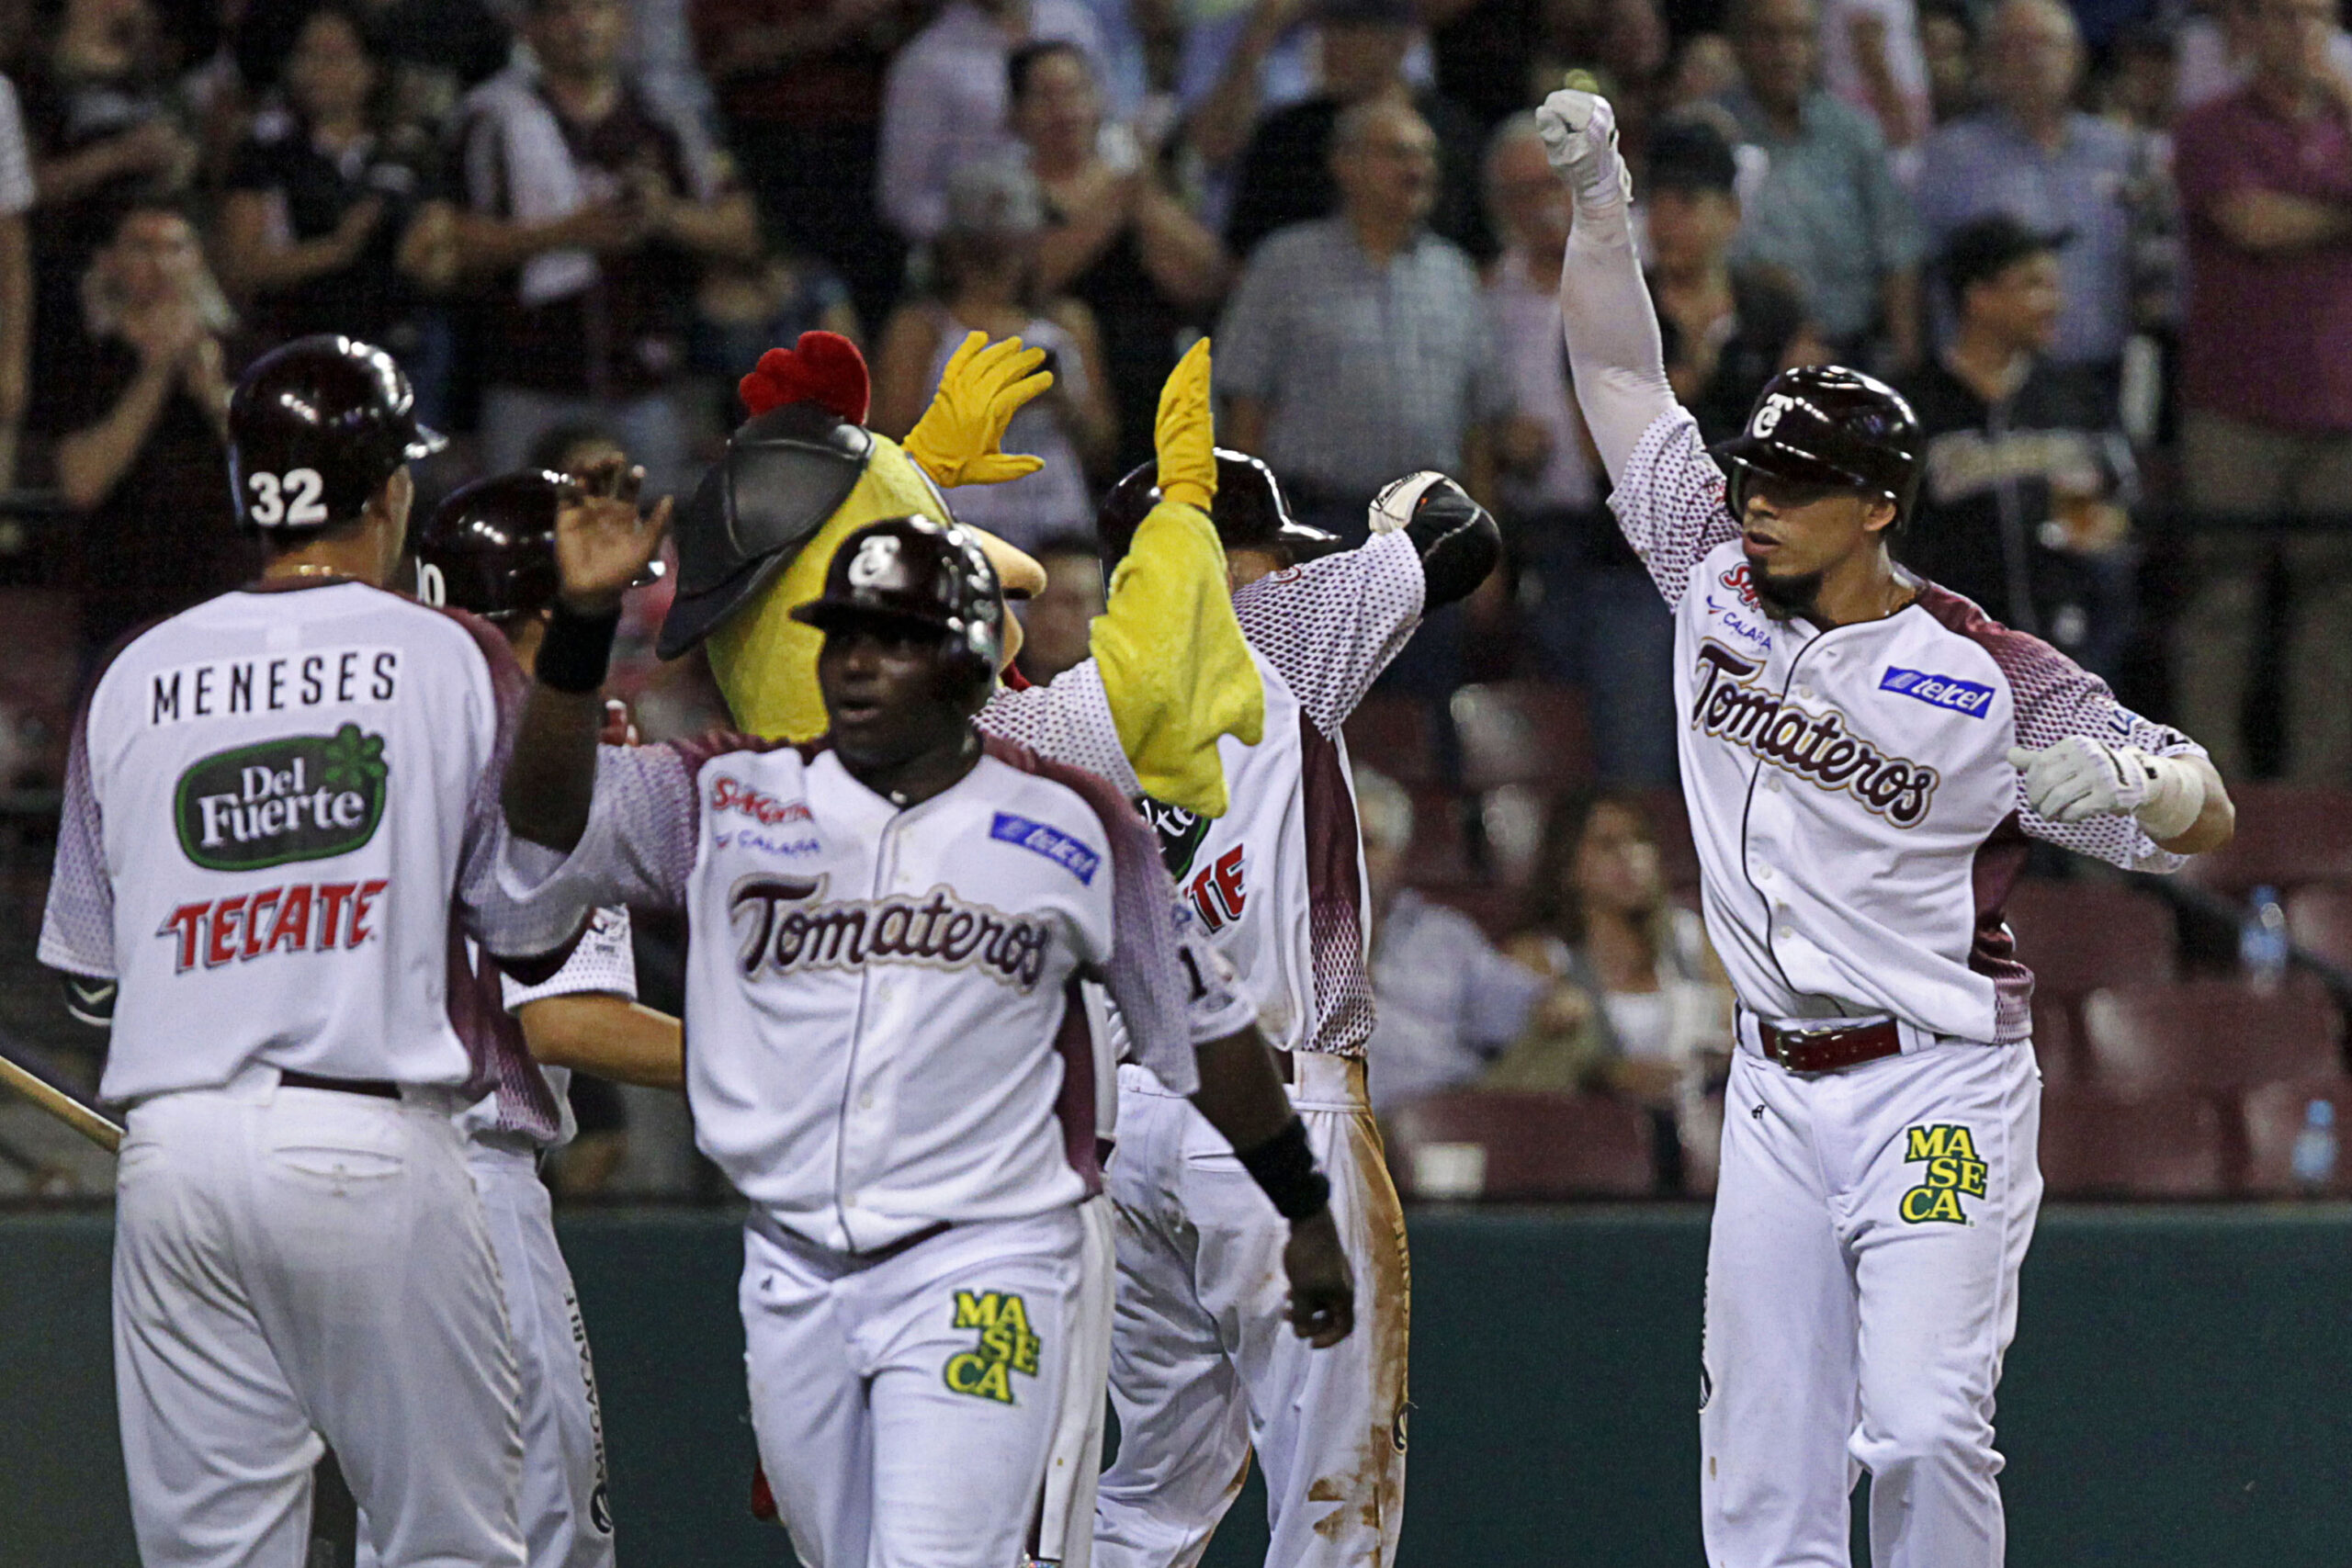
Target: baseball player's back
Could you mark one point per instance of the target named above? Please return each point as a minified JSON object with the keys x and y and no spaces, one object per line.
{"x":1865,"y":756}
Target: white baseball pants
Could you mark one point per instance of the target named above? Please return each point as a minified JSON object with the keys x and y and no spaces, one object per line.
{"x":904,"y":1407}
{"x":1204,"y":1365}
{"x":1074,"y":1463}
{"x":1861,"y":1290}
{"x":298,"y":1264}
{"x":564,"y":1506}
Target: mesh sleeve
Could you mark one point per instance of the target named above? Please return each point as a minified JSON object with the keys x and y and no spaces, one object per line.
{"x":77,"y":926}
{"x":1067,"y":721}
{"x":602,"y":963}
{"x":1331,"y":626}
{"x":1669,"y":502}
{"x":638,"y":848}
{"x":2054,"y":698}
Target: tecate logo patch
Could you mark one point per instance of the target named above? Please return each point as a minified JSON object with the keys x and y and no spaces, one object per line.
{"x":1939,"y":691}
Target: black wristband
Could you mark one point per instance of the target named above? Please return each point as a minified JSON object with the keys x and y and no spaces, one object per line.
{"x":1284,"y":1167}
{"x":576,"y":650}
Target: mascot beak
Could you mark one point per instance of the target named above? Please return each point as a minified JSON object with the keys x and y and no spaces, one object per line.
{"x":1018,"y":575}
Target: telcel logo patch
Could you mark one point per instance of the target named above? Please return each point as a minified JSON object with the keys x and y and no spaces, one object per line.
{"x":1939,"y":691}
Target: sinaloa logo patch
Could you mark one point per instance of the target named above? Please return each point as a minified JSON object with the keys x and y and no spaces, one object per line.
{"x":294,"y":798}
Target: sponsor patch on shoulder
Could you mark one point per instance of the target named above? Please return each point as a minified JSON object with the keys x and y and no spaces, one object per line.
{"x":1051,"y":842}
{"x":1939,"y":691}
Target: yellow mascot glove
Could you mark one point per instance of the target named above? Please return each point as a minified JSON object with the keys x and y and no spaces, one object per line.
{"x":956,"y":438}
{"x":1185,"y":432}
{"x":1174,"y":667}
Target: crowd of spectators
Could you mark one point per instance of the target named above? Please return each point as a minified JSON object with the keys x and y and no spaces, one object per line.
{"x":2105,"y":249}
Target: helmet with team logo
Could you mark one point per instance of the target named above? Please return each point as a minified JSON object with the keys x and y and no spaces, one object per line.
{"x":1827,"y":425}
{"x":1248,"y":512}
{"x":914,"y":571}
{"x":490,"y":547}
{"x":315,"y":427}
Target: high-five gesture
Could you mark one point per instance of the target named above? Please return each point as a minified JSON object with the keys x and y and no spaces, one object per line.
{"x":604,"y":543}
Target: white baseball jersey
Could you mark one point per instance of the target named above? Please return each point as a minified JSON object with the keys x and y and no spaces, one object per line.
{"x":1278,"y":880}
{"x":888,"y":1035}
{"x":519,"y":1097}
{"x":1858,"y":821}
{"x":263,"y":832}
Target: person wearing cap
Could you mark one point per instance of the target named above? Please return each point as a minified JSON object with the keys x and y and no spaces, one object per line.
{"x":1286,"y":173}
{"x":2036,"y":158}
{"x":1728,"y":327}
{"x":986,"y":277}
{"x":2022,"y":507}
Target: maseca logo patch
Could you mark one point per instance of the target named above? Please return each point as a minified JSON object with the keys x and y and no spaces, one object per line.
{"x":1007,"y":1345}
{"x":296,"y":798}
{"x":1949,"y":1151}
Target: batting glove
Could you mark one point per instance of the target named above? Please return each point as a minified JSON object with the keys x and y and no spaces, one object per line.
{"x":2081,"y":778}
{"x":1579,"y":132}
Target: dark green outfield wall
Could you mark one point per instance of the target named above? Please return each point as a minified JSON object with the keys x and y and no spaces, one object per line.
{"x":2180,"y":1392}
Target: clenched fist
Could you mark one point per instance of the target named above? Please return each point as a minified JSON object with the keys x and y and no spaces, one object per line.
{"x":1579,"y":132}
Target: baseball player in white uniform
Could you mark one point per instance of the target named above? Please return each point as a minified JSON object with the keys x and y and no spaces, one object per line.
{"x":890,"y":1061}
{"x":280,"y":811}
{"x":1200,"y":1372}
{"x":1865,"y":755}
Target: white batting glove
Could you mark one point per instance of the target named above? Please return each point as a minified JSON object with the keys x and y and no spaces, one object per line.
{"x":2081,"y":778}
{"x":1392,"y":508}
{"x":1579,"y":132}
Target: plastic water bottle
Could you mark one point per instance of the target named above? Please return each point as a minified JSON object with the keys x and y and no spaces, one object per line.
{"x":2263,"y":947}
{"x":2314,"y":1155}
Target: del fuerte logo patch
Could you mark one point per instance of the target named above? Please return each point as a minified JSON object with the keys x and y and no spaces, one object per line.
{"x":294,"y":798}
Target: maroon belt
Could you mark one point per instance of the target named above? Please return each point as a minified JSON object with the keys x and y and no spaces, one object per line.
{"x":1830,"y":1050}
{"x":381,"y":1089}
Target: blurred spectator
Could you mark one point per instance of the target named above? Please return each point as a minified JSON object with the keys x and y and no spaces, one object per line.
{"x":1239,"y":64}
{"x":1948,"y":47}
{"x":743,"y":308}
{"x":985,"y":268}
{"x":99,"y":119}
{"x":1598,"y":919}
{"x":1356,"y":348}
{"x":330,"y":222}
{"x":1285,"y":175}
{"x":2141,"y":87}
{"x":2265,"y":180}
{"x":799,"y":87}
{"x":430,"y":51}
{"x":592,"y":211}
{"x":2020,"y":509}
{"x":131,"y":411}
{"x":1872,"y":58}
{"x":1445,"y":1002}
{"x":1595,"y":617}
{"x":1116,"y":238}
{"x":945,"y":101}
{"x":1726,"y":330}
{"x":1056,"y":625}
{"x":2036,"y":158}
{"x":2218,"y":51}
{"x":15,"y":279}
{"x":1704,"y":70}
{"x":1827,"y":212}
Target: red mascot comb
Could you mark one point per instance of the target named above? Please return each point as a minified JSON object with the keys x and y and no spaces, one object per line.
{"x":825,"y":369}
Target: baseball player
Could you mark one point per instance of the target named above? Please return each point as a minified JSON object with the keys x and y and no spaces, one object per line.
{"x":890,"y":1063}
{"x":1200,"y":1372}
{"x":489,"y":549}
{"x":1865,"y":755}
{"x":281,"y":812}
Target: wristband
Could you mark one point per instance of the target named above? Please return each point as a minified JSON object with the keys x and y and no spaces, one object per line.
{"x":2176,"y":798}
{"x":576,"y":650}
{"x":1284,"y":1167}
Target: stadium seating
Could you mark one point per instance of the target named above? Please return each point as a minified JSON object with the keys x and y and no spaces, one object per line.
{"x":2078,"y":936}
{"x":2215,"y":1035}
{"x":1392,"y":733}
{"x":1521,"y":733}
{"x":2168,"y":1144}
{"x":2320,"y":920}
{"x":1522,"y":1147}
{"x":2057,"y":1041}
{"x":2274,"y":1115}
{"x":2286,"y":836}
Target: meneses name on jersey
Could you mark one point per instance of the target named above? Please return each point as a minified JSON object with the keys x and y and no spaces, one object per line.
{"x":224,"y":688}
{"x":294,"y":797}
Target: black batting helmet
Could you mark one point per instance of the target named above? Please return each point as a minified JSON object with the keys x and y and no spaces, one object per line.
{"x":1248,"y":512}
{"x":315,"y":427}
{"x":490,"y":547}
{"x":1823,"y":425}
{"x":914,"y":572}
